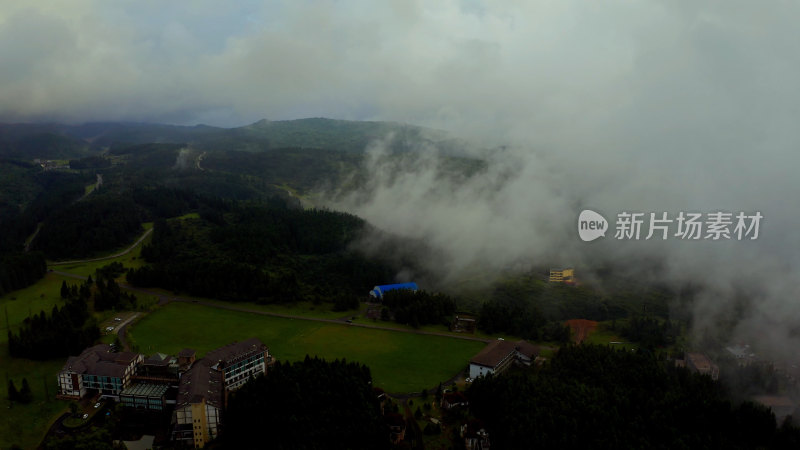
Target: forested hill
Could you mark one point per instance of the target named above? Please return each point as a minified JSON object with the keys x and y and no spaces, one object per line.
{"x":600,"y":398}
{"x":268,"y":253}
{"x":48,"y":172}
{"x":55,"y":141}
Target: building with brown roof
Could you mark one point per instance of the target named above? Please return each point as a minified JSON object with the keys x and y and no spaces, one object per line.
{"x":203,"y":389}
{"x":97,"y":370}
{"x":698,"y":362}
{"x":498,"y":355}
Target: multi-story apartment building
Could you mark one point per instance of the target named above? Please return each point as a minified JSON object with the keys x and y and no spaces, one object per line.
{"x":204,"y":388}
{"x":97,"y":370}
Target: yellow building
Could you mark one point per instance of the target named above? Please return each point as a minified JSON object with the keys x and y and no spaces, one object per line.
{"x":204,"y":388}
{"x":562,"y":275}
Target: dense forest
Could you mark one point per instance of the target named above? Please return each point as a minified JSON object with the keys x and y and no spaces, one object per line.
{"x":599,"y":398}
{"x":532,"y":308}
{"x":98,"y":223}
{"x":419,"y":308}
{"x":267,"y":253}
{"x":18,"y":270}
{"x":515,"y":316}
{"x":310,"y":404}
{"x":66,"y":331}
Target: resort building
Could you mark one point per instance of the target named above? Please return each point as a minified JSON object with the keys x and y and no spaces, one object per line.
{"x":97,"y":370}
{"x":566,"y":275}
{"x":499,"y":355}
{"x":698,"y":362}
{"x":150,"y":397}
{"x":205,"y":386}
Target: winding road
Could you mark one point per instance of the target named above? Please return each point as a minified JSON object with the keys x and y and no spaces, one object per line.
{"x":103,"y":258}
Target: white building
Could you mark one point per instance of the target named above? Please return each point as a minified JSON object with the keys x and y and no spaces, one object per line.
{"x":499,"y":354}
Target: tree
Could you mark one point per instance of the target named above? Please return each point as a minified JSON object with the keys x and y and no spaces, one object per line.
{"x":439,"y":393}
{"x":25,"y":394}
{"x":89,"y":280}
{"x":13,"y":395}
{"x":64,"y":289}
{"x":73,"y":408}
{"x":117,"y":344}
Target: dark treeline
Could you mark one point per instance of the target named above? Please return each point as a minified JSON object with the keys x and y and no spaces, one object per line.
{"x":267,"y":253}
{"x":529,"y":308}
{"x":650,"y":331}
{"x":109,"y":296}
{"x":419,"y":308}
{"x":98,"y":223}
{"x":46,"y":193}
{"x":310,"y":404}
{"x":90,"y":162}
{"x":516,"y":316}
{"x":19,"y":270}
{"x":159,"y":201}
{"x":66,"y":331}
{"x":22,"y":395}
{"x":599,"y":398}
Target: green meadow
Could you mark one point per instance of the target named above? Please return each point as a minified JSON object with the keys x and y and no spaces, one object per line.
{"x":25,"y":425}
{"x":400,"y":362}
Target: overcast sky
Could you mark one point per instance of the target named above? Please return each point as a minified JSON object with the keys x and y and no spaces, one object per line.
{"x":614,"y":105}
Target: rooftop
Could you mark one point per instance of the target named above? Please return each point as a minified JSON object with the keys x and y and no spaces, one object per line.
{"x":204,"y":381}
{"x":492,"y":354}
{"x":526,"y":348}
{"x":699,"y":361}
{"x":198,"y":383}
{"x":100,"y":360}
{"x":146,"y":390}
{"x":232,"y":351}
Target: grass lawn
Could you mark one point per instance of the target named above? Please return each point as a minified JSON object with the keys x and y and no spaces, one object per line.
{"x":434,"y":328}
{"x":400,"y":362}
{"x":192,"y":215}
{"x":131,"y":260}
{"x":306,"y":309}
{"x":18,"y":305}
{"x":25,"y":425}
{"x":604,"y":336}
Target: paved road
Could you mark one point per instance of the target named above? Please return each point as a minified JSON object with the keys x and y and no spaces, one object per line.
{"x":122,"y":328}
{"x":102,"y":258}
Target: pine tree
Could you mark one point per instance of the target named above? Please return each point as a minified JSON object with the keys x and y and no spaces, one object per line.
{"x":25,"y":394}
{"x":64,"y":289}
{"x":13,"y":395}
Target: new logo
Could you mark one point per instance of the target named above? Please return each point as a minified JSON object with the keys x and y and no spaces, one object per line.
{"x":591,"y":225}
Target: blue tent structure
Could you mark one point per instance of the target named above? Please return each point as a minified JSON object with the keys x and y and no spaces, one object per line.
{"x":378,"y":291}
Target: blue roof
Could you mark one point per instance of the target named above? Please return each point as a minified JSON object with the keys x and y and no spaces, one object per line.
{"x":378,"y":291}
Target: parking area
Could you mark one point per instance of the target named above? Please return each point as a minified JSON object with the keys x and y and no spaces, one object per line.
{"x":110,"y":325}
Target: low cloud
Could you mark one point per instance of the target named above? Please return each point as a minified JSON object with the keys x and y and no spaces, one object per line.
{"x":614,"y":106}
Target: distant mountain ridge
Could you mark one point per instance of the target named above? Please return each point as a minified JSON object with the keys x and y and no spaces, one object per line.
{"x":59,"y":141}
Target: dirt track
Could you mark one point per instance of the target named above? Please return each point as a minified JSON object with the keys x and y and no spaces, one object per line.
{"x":582,"y":328}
